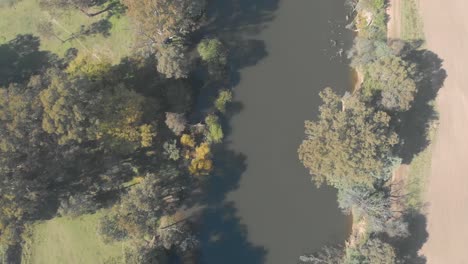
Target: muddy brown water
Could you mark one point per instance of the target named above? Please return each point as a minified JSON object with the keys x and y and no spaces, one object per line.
{"x":264,"y":208}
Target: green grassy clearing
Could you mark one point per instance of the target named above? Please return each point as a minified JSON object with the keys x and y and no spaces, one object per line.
{"x":411,"y":22}
{"x":72,"y":241}
{"x":24,"y":17}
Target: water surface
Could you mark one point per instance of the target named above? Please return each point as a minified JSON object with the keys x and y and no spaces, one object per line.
{"x":265,"y":208}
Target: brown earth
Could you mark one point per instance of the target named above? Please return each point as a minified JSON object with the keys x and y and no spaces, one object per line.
{"x":446,"y":30}
{"x":394,"y":22}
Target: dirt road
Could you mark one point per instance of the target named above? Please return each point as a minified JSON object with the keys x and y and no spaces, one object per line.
{"x":394,"y":22}
{"x":446,"y":28}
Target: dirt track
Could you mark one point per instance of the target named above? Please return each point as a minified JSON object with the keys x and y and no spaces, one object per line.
{"x":446,"y":29}
{"x":394,"y":22}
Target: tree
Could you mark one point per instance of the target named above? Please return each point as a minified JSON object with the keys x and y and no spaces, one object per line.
{"x":109,"y":229}
{"x":212,"y":51}
{"x":376,"y":28}
{"x":171,"y":151}
{"x":78,"y":109}
{"x":145,"y":203}
{"x":175,"y":232}
{"x":394,"y":78}
{"x":176,"y":122}
{"x":69,"y":108}
{"x":173,"y":62}
{"x":160,"y":20}
{"x":187,"y":140}
{"x":201,"y":164}
{"x":215,"y":132}
{"x":27,"y":157}
{"x":373,"y":251}
{"x":375,"y":206}
{"x":88,"y":66}
{"x":164,"y":25}
{"x":365,"y":51}
{"x":328,"y":255}
{"x":346,"y":145}
{"x":224,"y":97}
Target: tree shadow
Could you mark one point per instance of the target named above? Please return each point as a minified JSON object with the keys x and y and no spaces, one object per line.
{"x":101,"y":27}
{"x":416,"y":123}
{"x":408,"y":248}
{"x":223,"y":237}
{"x":233,"y":22}
{"x":20,"y":58}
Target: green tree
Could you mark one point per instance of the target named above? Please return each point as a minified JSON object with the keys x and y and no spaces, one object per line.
{"x":69,"y":108}
{"x":373,"y":251}
{"x":215,"y":131}
{"x":212,"y":51}
{"x":173,"y":62}
{"x":394,"y":79}
{"x":224,"y":97}
{"x":171,"y":150}
{"x":160,"y":20}
{"x":346,"y":144}
{"x":79,"y":110}
{"x":145,"y":203}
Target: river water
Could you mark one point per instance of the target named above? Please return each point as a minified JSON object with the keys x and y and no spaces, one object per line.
{"x":264,"y":208}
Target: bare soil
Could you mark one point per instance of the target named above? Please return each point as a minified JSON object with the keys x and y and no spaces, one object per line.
{"x":394,"y":22}
{"x":446,"y":30}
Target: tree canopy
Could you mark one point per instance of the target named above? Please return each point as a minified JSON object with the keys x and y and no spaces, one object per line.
{"x":346,"y":144}
{"x":394,"y":79}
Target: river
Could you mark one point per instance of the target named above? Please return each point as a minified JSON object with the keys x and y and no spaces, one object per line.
{"x":264,"y":208}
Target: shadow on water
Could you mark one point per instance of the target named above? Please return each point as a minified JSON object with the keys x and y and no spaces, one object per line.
{"x":223,"y":237}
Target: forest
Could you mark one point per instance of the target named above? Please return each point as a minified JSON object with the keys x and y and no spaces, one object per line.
{"x":360,"y":139}
{"x":125,"y":139}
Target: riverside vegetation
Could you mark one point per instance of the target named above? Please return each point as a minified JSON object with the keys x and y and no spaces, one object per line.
{"x":114,"y":146}
{"x":360,"y":140}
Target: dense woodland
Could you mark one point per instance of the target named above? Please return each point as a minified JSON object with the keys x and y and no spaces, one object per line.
{"x":80,"y":133}
{"x":361,"y":138}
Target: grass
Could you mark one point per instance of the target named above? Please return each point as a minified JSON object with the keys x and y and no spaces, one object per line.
{"x":411,"y":22}
{"x":419,"y":171}
{"x":72,"y":241}
{"x":23,"y":18}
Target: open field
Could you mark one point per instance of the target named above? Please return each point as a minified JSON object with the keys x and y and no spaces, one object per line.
{"x":72,"y":241}
{"x":114,"y":37}
{"x":446,"y":32}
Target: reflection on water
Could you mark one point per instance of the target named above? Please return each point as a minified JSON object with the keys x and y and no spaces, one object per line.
{"x":261,"y":205}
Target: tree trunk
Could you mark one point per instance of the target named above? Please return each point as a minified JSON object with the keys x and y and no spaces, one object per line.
{"x":109,"y":7}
